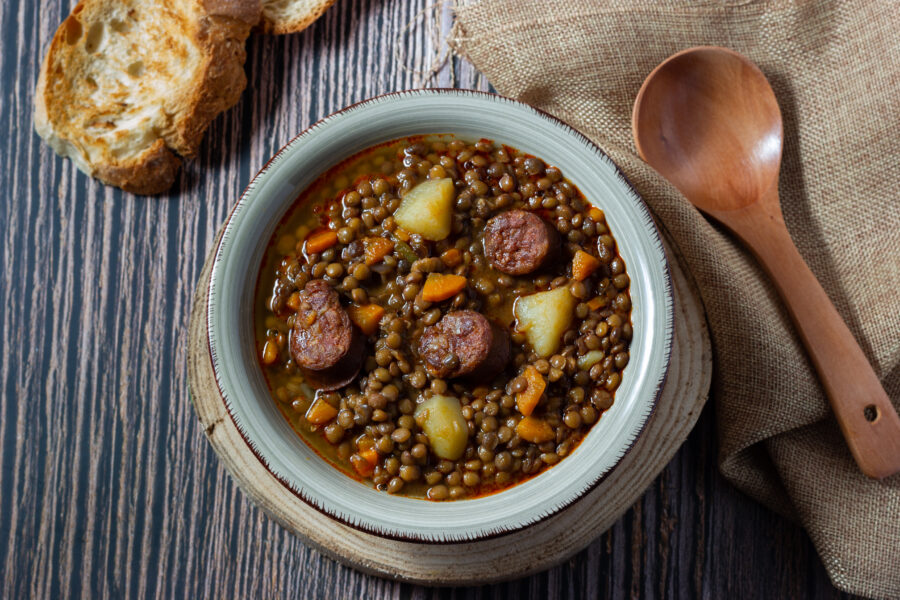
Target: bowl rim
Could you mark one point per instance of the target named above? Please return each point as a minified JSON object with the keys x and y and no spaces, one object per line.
{"x":667,"y":292}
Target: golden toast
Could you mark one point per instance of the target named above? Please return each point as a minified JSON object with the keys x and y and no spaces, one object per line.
{"x":129,"y":85}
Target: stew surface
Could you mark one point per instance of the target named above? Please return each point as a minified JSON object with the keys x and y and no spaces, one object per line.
{"x":441,"y":318}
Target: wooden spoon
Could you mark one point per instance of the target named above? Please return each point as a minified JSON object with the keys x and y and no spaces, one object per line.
{"x":707,"y":120}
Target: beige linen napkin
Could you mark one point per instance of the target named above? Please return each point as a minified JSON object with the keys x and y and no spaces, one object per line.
{"x":835,"y":68}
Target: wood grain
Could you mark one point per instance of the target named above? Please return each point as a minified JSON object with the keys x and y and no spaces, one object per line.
{"x":108,"y":488}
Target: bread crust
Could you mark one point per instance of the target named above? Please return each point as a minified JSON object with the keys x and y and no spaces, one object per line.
{"x":307,"y":12}
{"x":153,"y":172}
{"x":222,"y":35}
{"x":69,"y":117}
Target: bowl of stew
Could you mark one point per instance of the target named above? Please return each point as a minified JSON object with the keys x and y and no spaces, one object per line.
{"x":440,"y":315}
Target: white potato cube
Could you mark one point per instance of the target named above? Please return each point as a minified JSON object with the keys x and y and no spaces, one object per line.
{"x":590,"y":359}
{"x":427,"y":209}
{"x":544,"y":317}
{"x":441,"y":418}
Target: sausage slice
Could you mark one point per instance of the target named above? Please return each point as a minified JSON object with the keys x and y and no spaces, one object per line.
{"x":464,"y":344}
{"x":519,"y":242}
{"x":323,"y":341}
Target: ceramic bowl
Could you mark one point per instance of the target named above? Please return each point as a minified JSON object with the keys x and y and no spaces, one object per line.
{"x":470,"y":115}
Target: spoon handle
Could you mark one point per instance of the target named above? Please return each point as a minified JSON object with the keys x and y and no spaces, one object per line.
{"x":864,"y":412}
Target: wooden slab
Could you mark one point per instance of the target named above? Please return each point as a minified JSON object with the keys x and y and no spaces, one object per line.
{"x":521,"y":553}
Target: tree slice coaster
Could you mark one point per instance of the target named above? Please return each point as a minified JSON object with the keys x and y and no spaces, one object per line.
{"x":517,"y":554}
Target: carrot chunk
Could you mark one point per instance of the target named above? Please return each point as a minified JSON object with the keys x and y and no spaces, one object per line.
{"x":321,"y":240}
{"x":370,"y":454}
{"x":536,"y":431}
{"x":528,"y":398}
{"x":402,"y":234}
{"x":366,"y":317}
{"x":583,"y":265}
{"x":376,"y":248}
{"x":364,"y":461}
{"x":440,"y":287}
{"x":320,"y":412}
{"x":361,"y":465}
{"x":597,"y":303}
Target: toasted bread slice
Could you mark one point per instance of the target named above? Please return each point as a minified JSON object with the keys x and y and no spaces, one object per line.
{"x":291,"y":16}
{"x":128,"y":84}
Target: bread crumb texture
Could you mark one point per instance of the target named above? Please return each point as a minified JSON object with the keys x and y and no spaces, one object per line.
{"x":291,"y":16}
{"x":129,"y":85}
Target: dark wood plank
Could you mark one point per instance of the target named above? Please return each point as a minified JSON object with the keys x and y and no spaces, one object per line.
{"x":107,"y":485}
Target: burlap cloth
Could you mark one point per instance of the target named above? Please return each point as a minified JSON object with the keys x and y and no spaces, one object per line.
{"x":835,"y":68}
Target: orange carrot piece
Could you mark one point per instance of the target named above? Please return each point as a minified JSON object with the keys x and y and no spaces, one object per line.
{"x":366,"y":317}
{"x":451,"y":257}
{"x":596,"y":214}
{"x":362,"y":465}
{"x":596,"y":303}
{"x":402,"y":234}
{"x":293,"y":301}
{"x":370,"y":454}
{"x":583,"y":265}
{"x":528,"y":398}
{"x":440,"y":287}
{"x":376,"y":248}
{"x":534,"y":430}
{"x":321,"y":240}
{"x":320,"y":412}
{"x":364,"y":461}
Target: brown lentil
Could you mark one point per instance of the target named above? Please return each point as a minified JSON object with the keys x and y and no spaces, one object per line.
{"x":376,"y":411}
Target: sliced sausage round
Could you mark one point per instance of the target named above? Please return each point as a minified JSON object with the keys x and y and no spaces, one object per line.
{"x":519,"y":242}
{"x":465,"y":344}
{"x":323,"y":341}
{"x":342,"y":373}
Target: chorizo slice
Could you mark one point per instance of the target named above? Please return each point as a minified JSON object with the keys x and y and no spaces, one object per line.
{"x":323,"y":341}
{"x":518,"y":242}
{"x":464,"y":343}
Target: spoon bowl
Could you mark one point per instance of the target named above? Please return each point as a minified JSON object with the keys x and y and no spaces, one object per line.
{"x":708,"y":121}
{"x":686,"y":135}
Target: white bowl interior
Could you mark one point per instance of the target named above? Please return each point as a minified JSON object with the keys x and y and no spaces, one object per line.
{"x":469,"y":115}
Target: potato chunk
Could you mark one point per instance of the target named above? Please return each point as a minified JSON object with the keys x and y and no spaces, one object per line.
{"x":427,"y":209}
{"x":590,"y":359}
{"x":544,"y":317}
{"x":441,"y":418}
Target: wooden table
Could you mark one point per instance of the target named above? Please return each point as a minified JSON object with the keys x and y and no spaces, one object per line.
{"x":108,"y":488}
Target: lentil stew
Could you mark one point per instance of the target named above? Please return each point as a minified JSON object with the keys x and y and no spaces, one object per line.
{"x":443,"y":319}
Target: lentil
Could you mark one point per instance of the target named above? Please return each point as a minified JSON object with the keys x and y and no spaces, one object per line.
{"x":376,"y":410}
